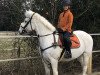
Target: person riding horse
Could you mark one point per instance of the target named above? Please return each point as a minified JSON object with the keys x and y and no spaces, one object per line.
{"x":65,"y":22}
{"x":51,"y":54}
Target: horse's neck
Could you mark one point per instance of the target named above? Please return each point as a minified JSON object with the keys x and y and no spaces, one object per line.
{"x":41,"y":29}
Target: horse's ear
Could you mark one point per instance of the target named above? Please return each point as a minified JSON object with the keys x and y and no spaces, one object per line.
{"x":28,"y":13}
{"x":26,"y":5}
{"x":27,"y":8}
{"x":25,"y":13}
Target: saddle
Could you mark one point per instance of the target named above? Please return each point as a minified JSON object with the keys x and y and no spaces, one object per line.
{"x":74,"y":40}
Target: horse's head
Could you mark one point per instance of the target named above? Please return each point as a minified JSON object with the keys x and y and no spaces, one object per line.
{"x":27,"y":26}
{"x":35,"y":21}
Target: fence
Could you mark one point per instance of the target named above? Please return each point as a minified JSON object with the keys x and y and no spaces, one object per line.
{"x":19,"y":55}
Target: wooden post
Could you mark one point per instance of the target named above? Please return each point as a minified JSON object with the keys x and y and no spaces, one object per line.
{"x":89,"y":69}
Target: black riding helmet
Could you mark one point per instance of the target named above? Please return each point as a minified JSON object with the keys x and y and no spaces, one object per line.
{"x":66,"y":2}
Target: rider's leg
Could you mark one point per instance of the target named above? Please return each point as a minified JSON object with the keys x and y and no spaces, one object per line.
{"x":67,"y":44}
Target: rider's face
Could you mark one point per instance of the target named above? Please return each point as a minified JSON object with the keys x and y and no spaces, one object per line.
{"x":65,"y":7}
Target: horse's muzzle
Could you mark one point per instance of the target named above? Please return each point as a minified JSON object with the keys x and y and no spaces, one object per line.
{"x":23,"y":32}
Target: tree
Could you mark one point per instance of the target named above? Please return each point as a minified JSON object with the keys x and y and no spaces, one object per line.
{"x":86,"y":13}
{"x":10,"y":15}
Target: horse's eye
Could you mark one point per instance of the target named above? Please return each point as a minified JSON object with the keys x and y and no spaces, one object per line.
{"x":22,"y":26}
{"x":25,"y":21}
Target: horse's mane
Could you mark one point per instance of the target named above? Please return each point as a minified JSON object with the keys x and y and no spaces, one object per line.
{"x":45,"y":22}
{"x":40,"y":18}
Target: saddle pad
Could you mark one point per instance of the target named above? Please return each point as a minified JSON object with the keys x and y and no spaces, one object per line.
{"x":75,"y":41}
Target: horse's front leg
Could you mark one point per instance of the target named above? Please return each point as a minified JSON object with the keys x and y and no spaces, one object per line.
{"x":47,"y":68}
{"x":54,"y":65}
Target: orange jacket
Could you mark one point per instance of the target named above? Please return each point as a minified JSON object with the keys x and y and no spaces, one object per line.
{"x":65,"y":21}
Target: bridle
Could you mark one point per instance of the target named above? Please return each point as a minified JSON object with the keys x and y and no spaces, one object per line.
{"x":27,"y":24}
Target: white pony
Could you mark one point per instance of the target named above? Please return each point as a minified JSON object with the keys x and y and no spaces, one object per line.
{"x":51,"y":54}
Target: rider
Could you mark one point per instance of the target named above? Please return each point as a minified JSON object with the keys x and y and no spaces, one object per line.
{"x":64,"y":25}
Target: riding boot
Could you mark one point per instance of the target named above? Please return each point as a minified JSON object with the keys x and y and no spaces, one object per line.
{"x":67,"y":50}
{"x":67,"y":45}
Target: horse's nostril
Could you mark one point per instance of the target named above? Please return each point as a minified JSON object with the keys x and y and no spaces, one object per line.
{"x":23,"y":31}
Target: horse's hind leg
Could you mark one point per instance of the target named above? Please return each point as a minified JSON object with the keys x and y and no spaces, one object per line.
{"x":84,"y":59}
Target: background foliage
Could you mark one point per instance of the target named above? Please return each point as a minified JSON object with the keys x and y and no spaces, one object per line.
{"x":86,"y":13}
